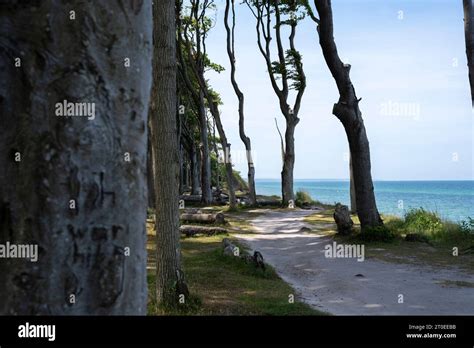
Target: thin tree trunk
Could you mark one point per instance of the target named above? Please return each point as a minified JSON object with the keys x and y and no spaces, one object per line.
{"x":194,"y":171}
{"x":352,"y":189}
{"x":469,"y":34}
{"x":226,"y":148}
{"x":164,"y":133}
{"x":288,"y":165}
{"x":240,"y":96}
{"x":205,"y":153}
{"x":348,"y":112}
{"x":216,"y":152}
{"x":66,"y":184}
{"x":182,"y":170}
{"x":150,"y":171}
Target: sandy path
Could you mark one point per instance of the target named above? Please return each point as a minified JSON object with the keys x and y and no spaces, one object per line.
{"x":331,"y":285}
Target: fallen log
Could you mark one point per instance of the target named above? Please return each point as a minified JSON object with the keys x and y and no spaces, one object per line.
{"x":203,"y":218}
{"x":191,"y":198}
{"x":190,"y":231}
{"x":269,"y":202}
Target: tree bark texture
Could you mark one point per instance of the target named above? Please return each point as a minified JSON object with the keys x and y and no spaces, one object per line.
{"x":165,"y":149}
{"x":79,"y":191}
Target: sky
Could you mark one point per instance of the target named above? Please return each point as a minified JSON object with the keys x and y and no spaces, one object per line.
{"x":409,"y":66}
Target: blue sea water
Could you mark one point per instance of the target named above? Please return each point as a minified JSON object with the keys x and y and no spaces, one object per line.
{"x":453,"y":200}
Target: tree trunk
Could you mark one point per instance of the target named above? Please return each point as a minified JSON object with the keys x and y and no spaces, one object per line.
{"x":240,"y":97}
{"x":205,"y":154}
{"x":216,"y":152}
{"x":150,"y":171}
{"x":164,"y":132}
{"x":361,"y":168}
{"x":67,"y":186}
{"x":469,"y":34}
{"x":348,"y":112}
{"x":288,"y":194}
{"x":226,"y":148}
{"x":182,"y":170}
{"x":352,"y":189}
{"x":194,"y":171}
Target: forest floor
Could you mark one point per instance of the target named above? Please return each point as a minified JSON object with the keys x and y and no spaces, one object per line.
{"x":430,"y":280}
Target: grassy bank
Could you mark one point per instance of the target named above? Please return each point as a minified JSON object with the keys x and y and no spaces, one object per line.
{"x":433,"y":239}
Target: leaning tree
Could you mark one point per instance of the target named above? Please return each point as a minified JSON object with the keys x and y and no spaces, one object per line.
{"x":230,"y":30}
{"x":348,"y":112}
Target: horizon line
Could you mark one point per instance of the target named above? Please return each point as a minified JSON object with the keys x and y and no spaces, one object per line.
{"x":346,"y":179}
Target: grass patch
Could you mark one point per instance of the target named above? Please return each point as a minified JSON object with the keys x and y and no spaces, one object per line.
{"x":457,"y":284}
{"x":222,"y":285}
{"x":430,"y":227}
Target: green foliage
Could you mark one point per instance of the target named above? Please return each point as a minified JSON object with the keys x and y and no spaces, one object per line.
{"x":423,"y":222}
{"x":303,"y":197}
{"x":241,"y":183}
{"x":294,"y":61}
{"x":467,"y":226}
{"x":431,"y":228}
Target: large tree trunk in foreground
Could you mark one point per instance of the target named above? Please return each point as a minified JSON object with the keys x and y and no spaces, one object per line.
{"x":165,"y":142}
{"x":73,"y":193}
{"x":348,"y":112}
{"x":469,"y":33}
{"x":240,"y":96}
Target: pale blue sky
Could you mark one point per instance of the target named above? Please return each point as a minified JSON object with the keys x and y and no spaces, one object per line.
{"x":417,"y":62}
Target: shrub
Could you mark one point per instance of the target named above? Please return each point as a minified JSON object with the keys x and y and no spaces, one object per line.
{"x":467,"y":226}
{"x":423,"y":222}
{"x":303,"y":197}
{"x":377,"y":234}
{"x":394,"y":223}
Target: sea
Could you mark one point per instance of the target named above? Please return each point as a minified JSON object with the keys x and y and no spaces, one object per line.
{"x":452,"y":200}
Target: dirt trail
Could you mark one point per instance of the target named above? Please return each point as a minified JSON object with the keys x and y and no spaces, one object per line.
{"x":336,"y":285}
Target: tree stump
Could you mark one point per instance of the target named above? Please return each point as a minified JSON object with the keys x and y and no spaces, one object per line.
{"x":343,"y":220}
{"x":229,"y":248}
